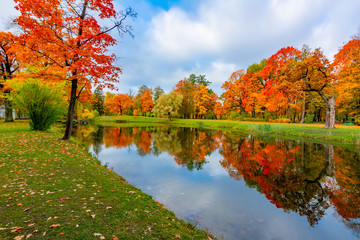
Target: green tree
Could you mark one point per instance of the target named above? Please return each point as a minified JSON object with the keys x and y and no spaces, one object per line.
{"x":168,"y":104}
{"x":44,"y":105}
{"x":201,"y":80}
{"x":100,"y":98}
{"x":257,"y":67}
{"x":158,"y":91}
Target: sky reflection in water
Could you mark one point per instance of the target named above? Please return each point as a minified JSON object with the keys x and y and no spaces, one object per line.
{"x":238,"y":186}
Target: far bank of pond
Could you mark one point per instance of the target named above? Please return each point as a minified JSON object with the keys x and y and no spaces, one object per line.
{"x":341,"y":133}
{"x":238,"y":185}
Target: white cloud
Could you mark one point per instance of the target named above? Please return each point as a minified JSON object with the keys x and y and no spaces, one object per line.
{"x":7,"y":12}
{"x":215,"y":38}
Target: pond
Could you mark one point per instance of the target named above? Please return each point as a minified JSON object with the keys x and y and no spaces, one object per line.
{"x":238,"y":186}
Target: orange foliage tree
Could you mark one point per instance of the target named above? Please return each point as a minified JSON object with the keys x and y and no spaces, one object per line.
{"x":314,"y":73}
{"x":67,"y":36}
{"x":347,"y":64}
{"x":8,"y":66}
{"x":147,"y":103}
{"x":280,"y":93}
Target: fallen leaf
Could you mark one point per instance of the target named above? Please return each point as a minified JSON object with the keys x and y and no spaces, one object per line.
{"x":131,"y":192}
{"x":177,"y":236}
{"x":54,"y":226}
{"x":16,"y":229}
{"x":27,"y":209}
{"x":28,"y":236}
{"x":93,"y":216}
{"x":19,"y":237}
{"x":108,"y":207}
{"x":97,"y":234}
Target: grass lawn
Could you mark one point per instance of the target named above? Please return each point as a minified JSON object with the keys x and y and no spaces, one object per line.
{"x":341,"y":133}
{"x":53,"y":189}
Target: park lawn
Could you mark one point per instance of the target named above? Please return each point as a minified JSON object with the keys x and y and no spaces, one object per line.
{"x":53,"y":189}
{"x":341,"y":133}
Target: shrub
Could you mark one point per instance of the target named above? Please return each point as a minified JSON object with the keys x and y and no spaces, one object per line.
{"x":234,"y":115}
{"x":44,"y":105}
{"x":141,"y":114}
{"x":280,"y":120}
{"x":148,"y":114}
{"x":309,"y":118}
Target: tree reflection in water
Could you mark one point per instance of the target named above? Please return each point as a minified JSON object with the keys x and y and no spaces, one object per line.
{"x":293,"y":175}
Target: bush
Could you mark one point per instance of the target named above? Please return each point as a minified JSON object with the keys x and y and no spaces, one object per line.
{"x":280,"y":120}
{"x":141,"y":114}
{"x":42,"y":104}
{"x":96,"y":113}
{"x":309,"y":118}
{"x":234,"y":115}
{"x":148,"y":114}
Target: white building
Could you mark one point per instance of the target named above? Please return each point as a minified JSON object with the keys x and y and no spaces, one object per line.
{"x":2,"y":112}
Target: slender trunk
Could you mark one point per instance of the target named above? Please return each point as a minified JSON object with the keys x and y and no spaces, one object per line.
{"x":303,"y":111}
{"x":8,"y":109}
{"x":288,"y":113}
{"x":169,"y":117}
{"x":70,"y":115}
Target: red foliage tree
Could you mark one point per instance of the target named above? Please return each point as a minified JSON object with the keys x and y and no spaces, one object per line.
{"x":68,"y":38}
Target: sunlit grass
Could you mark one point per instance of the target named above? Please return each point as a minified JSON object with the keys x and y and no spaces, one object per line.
{"x":53,"y":189}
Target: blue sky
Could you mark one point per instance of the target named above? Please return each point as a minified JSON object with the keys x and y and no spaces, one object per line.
{"x":215,"y":37}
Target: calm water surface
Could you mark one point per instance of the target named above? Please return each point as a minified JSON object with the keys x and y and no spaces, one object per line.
{"x":238,"y":186}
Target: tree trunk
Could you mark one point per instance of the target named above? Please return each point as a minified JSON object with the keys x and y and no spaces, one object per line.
{"x":330,"y":110}
{"x":70,"y":115}
{"x":8,"y":110}
{"x":288,"y":113}
{"x":329,"y":157}
{"x":303,"y":113}
{"x":169,"y":117}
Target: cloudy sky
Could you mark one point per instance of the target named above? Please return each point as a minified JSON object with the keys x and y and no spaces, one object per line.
{"x":174,"y":38}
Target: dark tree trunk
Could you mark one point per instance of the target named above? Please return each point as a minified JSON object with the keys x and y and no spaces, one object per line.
{"x":169,"y":117}
{"x":303,"y":113}
{"x":8,"y":110}
{"x":329,"y":157}
{"x":70,"y":115}
{"x":288,"y":113}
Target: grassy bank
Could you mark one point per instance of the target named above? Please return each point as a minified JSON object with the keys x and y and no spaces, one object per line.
{"x":53,"y":189}
{"x":344,"y":134}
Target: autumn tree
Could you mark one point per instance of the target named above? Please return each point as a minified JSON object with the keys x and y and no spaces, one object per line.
{"x":219,"y":110}
{"x":137,"y":101}
{"x":347,"y":64}
{"x":67,"y":35}
{"x":185,"y":88}
{"x":8,"y":66}
{"x":314,"y":73}
{"x":168,"y":104}
{"x":279,"y":90}
{"x":118,"y":103}
{"x":201,"y":100}
{"x":147,"y":102}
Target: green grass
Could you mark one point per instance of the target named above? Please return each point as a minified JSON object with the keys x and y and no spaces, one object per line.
{"x":53,"y":189}
{"x":343,"y":134}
